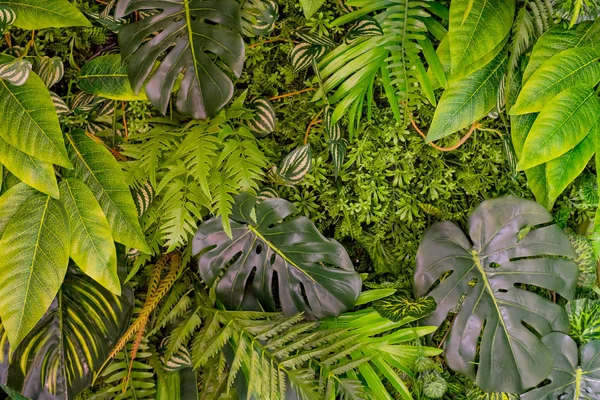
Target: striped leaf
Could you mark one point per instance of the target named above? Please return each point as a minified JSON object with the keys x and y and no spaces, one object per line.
{"x":363,"y":28}
{"x":143,"y":197}
{"x":264,"y":120}
{"x":51,"y":70}
{"x":265,"y":21}
{"x":267,"y":193}
{"x":397,"y":308}
{"x":584,"y":320}
{"x":178,"y":361}
{"x":70,"y":343}
{"x":310,"y":38}
{"x":337,"y":145}
{"x":62,"y":109}
{"x":304,"y":54}
{"x":16,"y":72}
{"x":296,"y":165}
{"x":7,"y":17}
{"x":85,"y":102}
{"x":107,"y":21}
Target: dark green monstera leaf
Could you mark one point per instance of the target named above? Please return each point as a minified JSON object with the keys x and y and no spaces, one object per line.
{"x":58,"y":358}
{"x":488,"y":274}
{"x":584,"y":320}
{"x":190,"y":33}
{"x":575,"y":374}
{"x":270,"y":252}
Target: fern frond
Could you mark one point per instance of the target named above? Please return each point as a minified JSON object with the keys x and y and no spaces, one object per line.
{"x":182,"y":333}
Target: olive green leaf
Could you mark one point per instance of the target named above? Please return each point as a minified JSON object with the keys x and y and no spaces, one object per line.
{"x":584,"y":320}
{"x":70,"y":343}
{"x":180,"y":385}
{"x":92,"y":246}
{"x":41,"y":14}
{"x":312,"y":274}
{"x":29,"y":122}
{"x":106,"y":77}
{"x":35,"y":255}
{"x":476,"y":28}
{"x":562,"y":124}
{"x":37,"y":174}
{"x":101,"y":172}
{"x":11,"y":201}
{"x":311,"y":6}
{"x":488,"y":278}
{"x":575,"y":374}
{"x":474,"y":393}
{"x":576,"y":66}
{"x":555,"y":40}
{"x":396,"y":308}
{"x":586,"y":260}
{"x":467,"y":100}
{"x":191,"y":33}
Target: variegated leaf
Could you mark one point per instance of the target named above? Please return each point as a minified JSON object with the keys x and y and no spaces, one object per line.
{"x":363,"y":28}
{"x":84,"y":102}
{"x":264,"y":116}
{"x":51,"y":70}
{"x":7,"y":17}
{"x":62,"y":109}
{"x":296,"y":165}
{"x":267,"y":193}
{"x":305,"y":35}
{"x":265,"y":21}
{"x":16,"y":72}
{"x":143,"y":197}
{"x":304,"y":54}
{"x":396,"y":308}
{"x":337,"y":145}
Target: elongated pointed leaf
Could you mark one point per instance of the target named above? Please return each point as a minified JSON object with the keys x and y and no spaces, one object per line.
{"x":562,"y":124}
{"x":106,"y":77}
{"x":575,"y":374}
{"x":29,"y":123}
{"x":40,"y":14}
{"x":11,"y":201}
{"x":37,"y":174}
{"x":577,"y":66}
{"x":35,"y":255}
{"x":312,"y":274}
{"x":467,"y":100}
{"x":495,"y":307}
{"x":190,"y":33}
{"x":70,"y":343}
{"x":584,"y":320}
{"x":476,"y":28}
{"x":101,"y":172}
{"x":92,"y":246}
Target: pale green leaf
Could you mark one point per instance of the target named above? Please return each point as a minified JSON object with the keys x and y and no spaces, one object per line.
{"x":101,"y":172}
{"x":11,"y":201}
{"x":29,"y":122}
{"x":92,"y":246}
{"x":311,"y":6}
{"x":577,"y":66}
{"x":476,"y":28}
{"x":35,"y":255}
{"x":40,"y":14}
{"x":561,"y":125}
{"x":106,"y":76}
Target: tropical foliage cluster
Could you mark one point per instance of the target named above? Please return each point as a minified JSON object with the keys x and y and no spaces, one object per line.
{"x":299,"y":199}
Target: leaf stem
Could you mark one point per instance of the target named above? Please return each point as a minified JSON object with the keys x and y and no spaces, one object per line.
{"x":291,"y":94}
{"x":474,"y":127}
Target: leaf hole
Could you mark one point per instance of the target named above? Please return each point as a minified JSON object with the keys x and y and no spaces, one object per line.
{"x":273,"y":258}
{"x":494,"y":265}
{"x":473,"y":282}
{"x":502,"y":291}
{"x":179,"y":18}
{"x":259,"y":249}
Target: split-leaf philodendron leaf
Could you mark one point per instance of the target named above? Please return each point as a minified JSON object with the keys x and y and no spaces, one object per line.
{"x":575,"y":374}
{"x":190,"y":33}
{"x":312,"y":274}
{"x":489,"y":270}
{"x":58,"y":359}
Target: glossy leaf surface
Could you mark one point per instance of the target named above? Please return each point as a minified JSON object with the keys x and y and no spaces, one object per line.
{"x":40,"y":14}
{"x":106,"y":77}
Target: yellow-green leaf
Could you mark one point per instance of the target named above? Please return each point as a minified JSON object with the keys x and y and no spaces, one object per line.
{"x":106,"y":77}
{"x":41,"y":14}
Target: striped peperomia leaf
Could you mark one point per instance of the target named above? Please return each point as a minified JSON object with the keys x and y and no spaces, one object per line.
{"x":337,"y":145}
{"x":296,"y":165}
{"x":7,"y":17}
{"x":16,"y":72}
{"x":363,"y":28}
{"x":50,"y":70}
{"x":264,"y":120}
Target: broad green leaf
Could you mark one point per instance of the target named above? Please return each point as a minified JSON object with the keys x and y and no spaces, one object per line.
{"x":311,"y":6}
{"x":584,"y":320}
{"x":179,"y":385}
{"x":467,"y":100}
{"x":35,"y":255}
{"x":562,"y":124}
{"x":11,"y":201}
{"x":29,"y":123}
{"x":41,"y":14}
{"x":476,"y":32}
{"x":312,"y":274}
{"x":575,"y":374}
{"x":555,"y":40}
{"x":577,"y":66}
{"x":92,"y":246}
{"x":489,"y":278}
{"x":71,"y":342}
{"x":105,"y":76}
{"x":101,"y":172}
{"x":200,"y":39}
{"x":520,"y":125}
{"x":37,"y":174}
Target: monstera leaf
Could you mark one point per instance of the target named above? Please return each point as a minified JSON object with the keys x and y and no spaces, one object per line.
{"x":486,"y":277}
{"x":575,"y":375}
{"x":188,"y":32}
{"x":269,"y":251}
{"x":58,"y":358}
